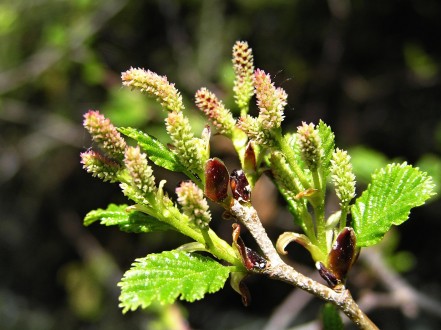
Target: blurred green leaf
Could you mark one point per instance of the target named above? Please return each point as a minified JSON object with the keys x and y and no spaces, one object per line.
{"x":331,"y":318}
{"x":168,"y":275}
{"x":126,"y":108}
{"x":387,"y":201}
{"x":421,"y":64}
{"x":8,"y":16}
{"x":432,"y":165}
{"x":365,"y":161}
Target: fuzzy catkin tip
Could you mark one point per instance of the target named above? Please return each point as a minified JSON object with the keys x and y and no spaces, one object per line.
{"x":271,"y":101}
{"x":105,"y":134}
{"x":243,"y":68}
{"x":221,"y":117}
{"x":154,"y":85}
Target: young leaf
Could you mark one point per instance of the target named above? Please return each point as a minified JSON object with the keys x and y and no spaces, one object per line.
{"x":327,"y":137}
{"x":128,"y":221}
{"x":387,"y":201}
{"x":156,"y":151}
{"x":164,"y":277}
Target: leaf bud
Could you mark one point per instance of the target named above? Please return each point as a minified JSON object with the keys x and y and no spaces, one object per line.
{"x":216,"y":180}
{"x":240,"y":187}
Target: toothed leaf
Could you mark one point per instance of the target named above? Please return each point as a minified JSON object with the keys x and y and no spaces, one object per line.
{"x":387,"y":201}
{"x":129,"y":221}
{"x":156,"y":151}
{"x":327,"y":138}
{"x":164,"y":277}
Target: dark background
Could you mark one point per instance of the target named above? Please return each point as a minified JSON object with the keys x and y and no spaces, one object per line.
{"x":370,"y":69}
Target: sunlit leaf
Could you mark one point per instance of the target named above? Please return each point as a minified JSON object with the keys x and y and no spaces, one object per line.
{"x":327,"y":137}
{"x":387,"y":201}
{"x":164,"y":277}
{"x":156,"y":151}
{"x":127,"y":220}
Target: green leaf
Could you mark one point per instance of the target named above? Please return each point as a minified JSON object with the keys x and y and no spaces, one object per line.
{"x":162,"y":278}
{"x":128,"y":220}
{"x":331,"y":318}
{"x":327,"y":137}
{"x":387,"y":201}
{"x":156,"y":151}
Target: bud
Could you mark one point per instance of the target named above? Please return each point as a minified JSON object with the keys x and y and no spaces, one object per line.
{"x":343,"y":253}
{"x":193,"y":203}
{"x":105,"y":134}
{"x":250,"y":259}
{"x":342,"y":176}
{"x":221,"y":117}
{"x":270,"y":100}
{"x":154,"y":85}
{"x":250,"y":163}
{"x":240,"y":187}
{"x":310,"y":145}
{"x":100,"y":166}
{"x":243,"y":69}
{"x":342,"y":256}
{"x":216,"y":180}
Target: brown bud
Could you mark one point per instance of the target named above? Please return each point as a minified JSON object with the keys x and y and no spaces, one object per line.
{"x":239,"y":186}
{"x":327,"y":275}
{"x":216,"y":180}
{"x":250,"y":158}
{"x":343,"y":253}
{"x":250,"y":259}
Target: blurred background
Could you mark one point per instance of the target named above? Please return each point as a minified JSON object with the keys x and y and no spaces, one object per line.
{"x":370,"y":69}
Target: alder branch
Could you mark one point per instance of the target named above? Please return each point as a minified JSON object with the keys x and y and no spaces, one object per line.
{"x":278,"y":270}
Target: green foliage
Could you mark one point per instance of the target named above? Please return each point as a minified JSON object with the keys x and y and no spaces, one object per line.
{"x":394,"y":190}
{"x":301,"y":164}
{"x":127,"y":220}
{"x":164,"y":277}
{"x":156,"y":151}
{"x":331,"y":318}
{"x":328,"y":145}
{"x":365,"y":161}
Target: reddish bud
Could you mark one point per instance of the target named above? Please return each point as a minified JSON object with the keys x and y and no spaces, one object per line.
{"x":343,"y":253}
{"x":342,"y":256}
{"x":250,"y":158}
{"x":216,"y":180}
{"x":240,"y":187}
{"x":250,"y":259}
{"x":327,"y":275}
